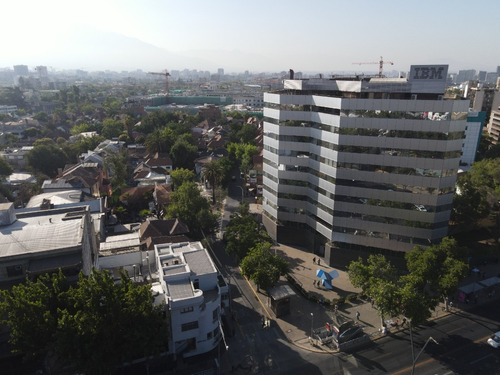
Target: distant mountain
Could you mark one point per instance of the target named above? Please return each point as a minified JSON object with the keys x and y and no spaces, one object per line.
{"x":91,"y":49}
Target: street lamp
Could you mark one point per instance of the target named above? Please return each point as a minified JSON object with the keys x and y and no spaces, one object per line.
{"x":312,"y":323}
{"x":242,"y":192}
{"x":418,"y":355}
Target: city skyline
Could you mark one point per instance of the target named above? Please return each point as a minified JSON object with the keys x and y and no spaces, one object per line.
{"x":317,"y":36}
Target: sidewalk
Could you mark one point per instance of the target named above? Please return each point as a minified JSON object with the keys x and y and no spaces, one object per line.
{"x":306,"y":315}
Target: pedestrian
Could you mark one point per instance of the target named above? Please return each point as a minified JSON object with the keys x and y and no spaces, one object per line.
{"x":314,"y":260}
{"x":336,"y":309}
{"x":318,"y":261}
{"x":357,"y":315}
{"x":403,"y":322}
{"x":314,"y":282}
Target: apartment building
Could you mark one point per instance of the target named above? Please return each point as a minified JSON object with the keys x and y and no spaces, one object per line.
{"x":357,"y":164}
{"x":195,"y":294}
{"x":494,"y":126}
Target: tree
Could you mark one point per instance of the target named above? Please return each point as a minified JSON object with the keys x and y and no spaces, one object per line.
{"x":243,"y":232}
{"x":108,"y":323}
{"x":116,"y":162}
{"x":213,"y":173}
{"x":30,"y":311}
{"x":93,"y":326}
{"x":469,"y":204}
{"x":437,"y":270}
{"x":160,"y":140}
{"x":262,"y":267}
{"x":187,"y":204}
{"x":183,"y":154}
{"x":244,"y":152}
{"x":46,"y":157}
{"x":181,"y":175}
{"x":378,"y":279}
{"x":112,"y":128}
{"x":5,"y":168}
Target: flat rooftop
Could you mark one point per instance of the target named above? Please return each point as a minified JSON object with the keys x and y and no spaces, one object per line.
{"x":37,"y":233}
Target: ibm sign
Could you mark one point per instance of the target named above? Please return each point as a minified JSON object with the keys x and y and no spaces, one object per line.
{"x":428,"y":72}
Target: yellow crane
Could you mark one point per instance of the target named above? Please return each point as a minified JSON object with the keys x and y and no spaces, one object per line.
{"x":166,"y":75}
{"x":380,"y":65}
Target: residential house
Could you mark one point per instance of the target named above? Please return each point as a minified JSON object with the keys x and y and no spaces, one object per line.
{"x":195,"y":295}
{"x":153,"y":232}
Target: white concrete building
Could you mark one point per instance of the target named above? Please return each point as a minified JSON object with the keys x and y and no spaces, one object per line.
{"x":195,"y":295}
{"x":359,"y":164}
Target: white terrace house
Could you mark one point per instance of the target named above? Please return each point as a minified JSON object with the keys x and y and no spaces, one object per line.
{"x":185,"y":279}
{"x":195,"y":295}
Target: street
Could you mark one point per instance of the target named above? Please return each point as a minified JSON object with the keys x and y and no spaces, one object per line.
{"x":461,"y":338}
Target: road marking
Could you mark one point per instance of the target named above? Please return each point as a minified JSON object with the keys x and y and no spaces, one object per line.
{"x":480,"y":359}
{"x":258,"y":299}
{"x":432,"y":359}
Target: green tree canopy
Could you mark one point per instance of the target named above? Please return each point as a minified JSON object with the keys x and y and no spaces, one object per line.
{"x":157,"y":120}
{"x":262,"y":267}
{"x":469,"y":204}
{"x":243,"y":232}
{"x":160,"y":140}
{"x":436,"y":270}
{"x":93,"y":326}
{"x":212,"y":172}
{"x":46,"y":157}
{"x":378,"y":279}
{"x":188,"y":205}
{"x":244,"y":152}
{"x":183,"y":154}
{"x":112,"y":128}
{"x":5,"y":168}
{"x":433,"y":274}
{"x":181,"y":175}
{"x":116,"y":162}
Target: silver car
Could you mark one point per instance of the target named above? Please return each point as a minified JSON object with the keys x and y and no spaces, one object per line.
{"x":495,"y":340}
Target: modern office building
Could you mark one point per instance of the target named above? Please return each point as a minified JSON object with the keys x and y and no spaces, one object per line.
{"x":473,"y":130}
{"x":358,"y":164}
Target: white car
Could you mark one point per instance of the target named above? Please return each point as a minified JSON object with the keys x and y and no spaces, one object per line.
{"x":495,"y":340}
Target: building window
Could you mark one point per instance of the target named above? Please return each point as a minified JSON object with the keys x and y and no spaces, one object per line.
{"x":189,"y":326}
{"x":187,"y":309}
{"x":215,"y":314}
{"x":14,"y":270}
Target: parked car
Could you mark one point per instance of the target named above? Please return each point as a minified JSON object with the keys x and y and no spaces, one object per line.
{"x":494,"y":340}
{"x":350,"y":334}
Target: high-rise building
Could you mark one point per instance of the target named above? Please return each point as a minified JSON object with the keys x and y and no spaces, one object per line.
{"x":21,"y":70}
{"x":43,"y":75}
{"x":359,"y":164}
{"x":465,"y":75}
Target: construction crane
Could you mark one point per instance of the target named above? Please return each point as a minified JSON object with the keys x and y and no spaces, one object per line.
{"x":380,"y":65}
{"x":166,"y":75}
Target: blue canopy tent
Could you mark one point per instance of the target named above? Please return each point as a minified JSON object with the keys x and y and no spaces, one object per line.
{"x":327,"y":277}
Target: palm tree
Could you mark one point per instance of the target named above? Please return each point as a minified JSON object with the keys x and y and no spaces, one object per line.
{"x":213,"y":173}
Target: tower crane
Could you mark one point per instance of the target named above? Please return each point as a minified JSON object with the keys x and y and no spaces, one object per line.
{"x":166,"y":75}
{"x":380,"y":65}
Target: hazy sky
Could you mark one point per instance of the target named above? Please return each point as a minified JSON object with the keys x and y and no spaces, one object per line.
{"x":257,"y":35}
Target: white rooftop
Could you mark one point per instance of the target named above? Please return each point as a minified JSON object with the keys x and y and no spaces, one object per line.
{"x":32,"y":234}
